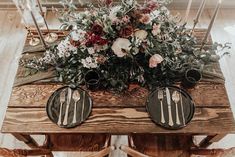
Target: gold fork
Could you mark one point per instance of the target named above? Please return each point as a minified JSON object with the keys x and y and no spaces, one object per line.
{"x":160,"y":97}
{"x":62,"y":100}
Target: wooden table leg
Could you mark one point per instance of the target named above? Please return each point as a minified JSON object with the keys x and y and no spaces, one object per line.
{"x":27,"y":139}
{"x":207,"y":141}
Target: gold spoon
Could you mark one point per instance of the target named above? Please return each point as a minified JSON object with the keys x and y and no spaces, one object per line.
{"x":76,"y":97}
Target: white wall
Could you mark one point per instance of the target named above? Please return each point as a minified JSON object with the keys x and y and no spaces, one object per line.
{"x":177,"y":4}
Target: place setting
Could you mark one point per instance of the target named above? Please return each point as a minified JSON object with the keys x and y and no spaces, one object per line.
{"x":170,"y":107}
{"x":69,"y":107}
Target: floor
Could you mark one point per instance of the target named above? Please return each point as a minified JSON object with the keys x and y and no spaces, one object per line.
{"x":12,"y":35}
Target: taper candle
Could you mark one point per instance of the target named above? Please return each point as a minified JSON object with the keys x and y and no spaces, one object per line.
{"x":40,"y":6}
{"x":211,"y":23}
{"x":37,"y":27}
{"x":187,"y":11}
{"x":41,"y":12}
{"x":200,"y":10}
{"x":33,"y":41}
{"x":50,"y":37}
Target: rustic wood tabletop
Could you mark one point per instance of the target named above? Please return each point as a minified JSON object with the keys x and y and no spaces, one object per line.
{"x":114,"y":113}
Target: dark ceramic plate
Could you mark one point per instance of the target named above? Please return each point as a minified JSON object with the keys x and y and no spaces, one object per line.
{"x":84,"y":106}
{"x":187,"y":108}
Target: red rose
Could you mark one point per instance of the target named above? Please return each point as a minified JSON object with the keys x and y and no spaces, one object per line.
{"x":126,"y":31}
{"x":97,"y":29}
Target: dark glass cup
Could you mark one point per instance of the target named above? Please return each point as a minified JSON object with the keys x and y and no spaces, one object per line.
{"x":92,"y":80}
{"x":191,"y":78}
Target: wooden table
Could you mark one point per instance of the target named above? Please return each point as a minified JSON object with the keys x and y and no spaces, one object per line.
{"x":116,"y":114}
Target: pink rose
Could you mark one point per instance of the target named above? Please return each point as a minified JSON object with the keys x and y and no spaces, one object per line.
{"x":126,"y":19}
{"x":145,"y":18}
{"x":155,"y":60}
{"x":156,"y":29}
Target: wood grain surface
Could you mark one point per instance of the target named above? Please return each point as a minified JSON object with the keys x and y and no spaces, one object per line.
{"x":117,"y":113}
{"x":117,"y":121}
{"x":37,"y":95}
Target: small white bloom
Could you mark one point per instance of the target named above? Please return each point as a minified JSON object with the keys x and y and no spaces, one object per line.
{"x":91,"y":50}
{"x":78,"y":35}
{"x":89,"y":63}
{"x":65,"y":48}
{"x":155,"y":60}
{"x":129,"y":2}
{"x":48,"y":57}
{"x":156,"y":29}
{"x":121,"y":46}
{"x":154,"y":14}
{"x":113,"y":13}
{"x":141,"y":34}
{"x":84,"y":21}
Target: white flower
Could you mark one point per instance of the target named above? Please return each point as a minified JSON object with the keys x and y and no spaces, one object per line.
{"x":121,"y":46}
{"x":84,"y":21}
{"x":129,"y":2}
{"x":77,"y":35}
{"x":155,"y":60}
{"x":49,"y":57}
{"x":156,"y":29}
{"x":65,"y":48}
{"x":154,"y":14}
{"x":141,"y":34}
{"x":113,"y":13}
{"x":89,"y":63}
{"x":91,"y":50}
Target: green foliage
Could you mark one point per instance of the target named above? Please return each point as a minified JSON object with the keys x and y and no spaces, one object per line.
{"x":173,"y":42}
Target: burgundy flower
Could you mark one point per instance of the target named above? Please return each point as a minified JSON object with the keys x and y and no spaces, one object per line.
{"x":108,"y":2}
{"x":95,"y":39}
{"x":97,"y":29}
{"x":75,"y":43}
{"x":150,"y":6}
{"x":126,"y":31}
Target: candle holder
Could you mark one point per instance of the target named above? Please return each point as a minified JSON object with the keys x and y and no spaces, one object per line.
{"x":33,"y":40}
{"x":92,"y":80}
{"x":191,"y":78}
{"x":51,"y":37}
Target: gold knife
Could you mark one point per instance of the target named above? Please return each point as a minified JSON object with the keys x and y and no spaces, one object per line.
{"x":69,"y":95}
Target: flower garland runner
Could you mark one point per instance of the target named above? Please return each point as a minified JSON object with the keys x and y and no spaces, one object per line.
{"x":126,"y":43}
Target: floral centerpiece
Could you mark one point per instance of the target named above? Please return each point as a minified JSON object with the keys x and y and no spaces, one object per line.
{"x":124,"y":43}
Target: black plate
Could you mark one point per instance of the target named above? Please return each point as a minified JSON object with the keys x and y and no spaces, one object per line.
{"x":154,"y":107}
{"x":53,"y":107}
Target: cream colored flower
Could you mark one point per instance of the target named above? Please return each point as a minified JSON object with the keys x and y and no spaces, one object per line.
{"x":121,"y":46}
{"x":91,"y":50}
{"x":155,"y":60}
{"x":156,"y":29}
{"x":145,"y":19}
{"x":141,"y":34}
